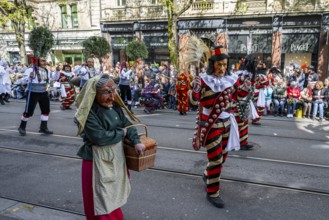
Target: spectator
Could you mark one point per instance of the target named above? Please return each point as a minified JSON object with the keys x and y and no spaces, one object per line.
{"x":107,"y":63}
{"x":279,"y":97}
{"x":293,"y":95}
{"x":164,"y":70}
{"x":172,"y":94}
{"x":147,"y":71}
{"x":306,"y":98}
{"x":318,"y":96}
{"x":19,"y":87}
{"x":124,"y":83}
{"x":86,"y":71}
{"x":326,"y":97}
{"x":173,"y":72}
{"x":298,"y":77}
{"x":165,"y":88}
{"x":151,"y":96}
{"x":310,"y":75}
{"x":5,"y":82}
{"x":268,"y":92}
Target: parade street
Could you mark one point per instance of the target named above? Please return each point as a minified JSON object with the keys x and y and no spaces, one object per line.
{"x":285,"y":176}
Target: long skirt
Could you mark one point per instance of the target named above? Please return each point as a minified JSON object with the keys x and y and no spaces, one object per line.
{"x":70,"y":98}
{"x":88,"y":198}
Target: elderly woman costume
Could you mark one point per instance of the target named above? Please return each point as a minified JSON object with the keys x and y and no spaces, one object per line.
{"x":101,"y":124}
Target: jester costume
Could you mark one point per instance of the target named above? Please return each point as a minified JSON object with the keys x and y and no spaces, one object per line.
{"x":241,"y":110}
{"x":216,"y":128}
{"x":182,"y":88}
{"x":64,"y":78}
{"x":259,"y":97}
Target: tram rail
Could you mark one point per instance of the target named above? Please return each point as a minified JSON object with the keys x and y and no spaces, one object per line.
{"x":192,"y":130}
{"x":183,"y":173}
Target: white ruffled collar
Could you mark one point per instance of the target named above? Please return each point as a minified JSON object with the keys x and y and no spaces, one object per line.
{"x":219,"y":84}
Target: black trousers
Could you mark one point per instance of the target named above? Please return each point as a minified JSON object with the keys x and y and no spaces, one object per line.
{"x":31,"y":103}
{"x":125,"y":91}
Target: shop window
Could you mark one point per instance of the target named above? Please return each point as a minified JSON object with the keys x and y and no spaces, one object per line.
{"x":74,"y":16}
{"x":77,"y":61}
{"x":121,"y":2}
{"x":64,"y":16}
{"x":68,"y":60}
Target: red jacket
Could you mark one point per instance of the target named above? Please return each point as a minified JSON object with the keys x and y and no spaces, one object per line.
{"x":293,"y":92}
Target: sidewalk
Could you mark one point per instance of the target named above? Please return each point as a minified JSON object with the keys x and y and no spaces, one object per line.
{"x":13,"y":210}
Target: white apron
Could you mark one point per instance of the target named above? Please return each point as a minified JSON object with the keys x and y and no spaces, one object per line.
{"x":111,"y":186}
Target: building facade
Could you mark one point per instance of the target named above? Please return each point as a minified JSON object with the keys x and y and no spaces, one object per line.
{"x":278,"y":32}
{"x":71,"y":22}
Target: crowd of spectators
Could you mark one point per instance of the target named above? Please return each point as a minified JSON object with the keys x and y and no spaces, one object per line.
{"x":297,"y":92}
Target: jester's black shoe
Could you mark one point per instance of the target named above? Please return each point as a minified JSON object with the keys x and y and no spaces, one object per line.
{"x":246,"y":147}
{"x":256,"y":123}
{"x":216,"y":201}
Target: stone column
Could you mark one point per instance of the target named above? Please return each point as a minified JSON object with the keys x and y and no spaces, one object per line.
{"x":276,"y":49}
{"x":183,"y":38}
{"x":277,"y":23}
{"x":323,"y":59}
{"x":323,"y":55}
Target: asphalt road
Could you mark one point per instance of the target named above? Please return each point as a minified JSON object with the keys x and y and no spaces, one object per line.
{"x":284,"y":177}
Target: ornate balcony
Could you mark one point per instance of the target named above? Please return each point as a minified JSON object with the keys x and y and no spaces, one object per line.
{"x":202,"y":6}
{"x":150,"y":12}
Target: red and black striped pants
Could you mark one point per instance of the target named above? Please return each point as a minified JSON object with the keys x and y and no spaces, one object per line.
{"x":216,"y":143}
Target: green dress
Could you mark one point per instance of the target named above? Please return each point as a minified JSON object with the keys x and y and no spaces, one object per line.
{"x":105,"y":127}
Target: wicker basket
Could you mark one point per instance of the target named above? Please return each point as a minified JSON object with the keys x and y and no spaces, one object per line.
{"x":133,"y":160}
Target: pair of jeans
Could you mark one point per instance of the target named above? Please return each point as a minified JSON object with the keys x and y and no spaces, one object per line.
{"x":279,"y":103}
{"x":172,"y":102}
{"x":291,"y":107}
{"x":318,"y":104}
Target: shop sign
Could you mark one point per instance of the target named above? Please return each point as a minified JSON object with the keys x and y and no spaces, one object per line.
{"x":299,"y":47}
{"x":120,"y":42}
{"x":12,"y":44}
{"x":156,"y":41}
{"x":72,"y":42}
{"x":300,"y":43}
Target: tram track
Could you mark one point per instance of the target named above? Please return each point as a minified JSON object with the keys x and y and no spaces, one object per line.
{"x":249,"y":133}
{"x":192,"y":130}
{"x":179,"y":150}
{"x":184,"y":173}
